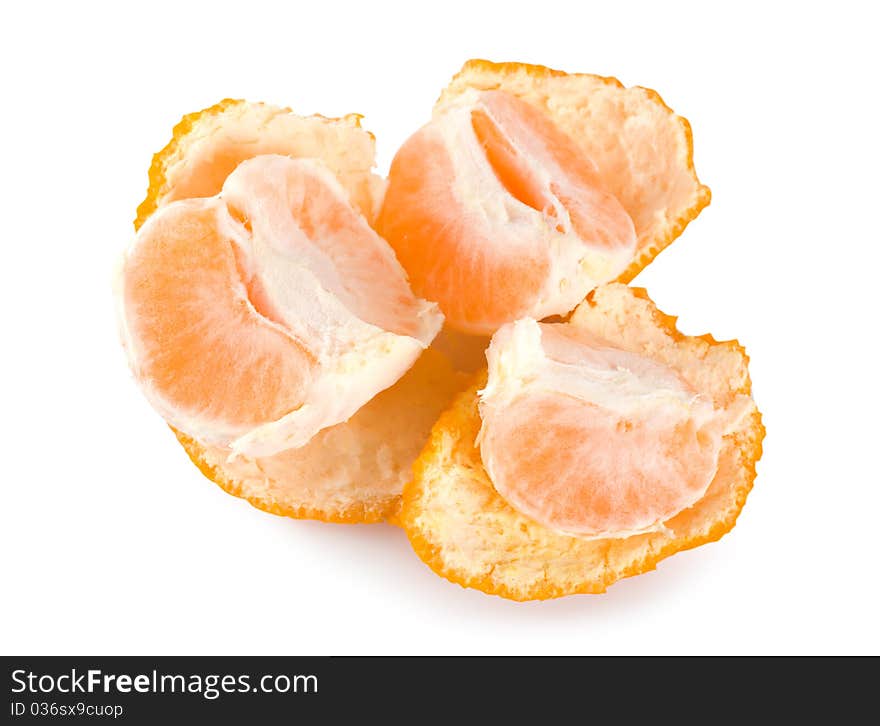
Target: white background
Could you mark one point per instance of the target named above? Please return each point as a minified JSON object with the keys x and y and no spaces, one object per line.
{"x":113,"y":543}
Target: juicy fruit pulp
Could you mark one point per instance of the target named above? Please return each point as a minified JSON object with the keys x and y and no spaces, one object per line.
{"x":258,"y":317}
{"x":591,"y":440}
{"x":496,"y":214}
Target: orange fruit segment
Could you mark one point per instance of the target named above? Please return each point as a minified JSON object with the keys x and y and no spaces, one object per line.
{"x":522,"y":145}
{"x":530,"y":186}
{"x":496,"y":214}
{"x":477,"y":534}
{"x":300,"y":217}
{"x":589,"y":439}
{"x":641,"y":149}
{"x":194,"y":336}
{"x":206,"y":146}
{"x":257,"y":318}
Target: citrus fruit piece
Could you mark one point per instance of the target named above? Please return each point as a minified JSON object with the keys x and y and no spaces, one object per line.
{"x":496,"y":214}
{"x":353,"y":471}
{"x":462,"y":526}
{"x":590,"y":439}
{"x":513,"y":201}
{"x":207,"y":145}
{"x":642,"y":150}
{"x":256,"y":318}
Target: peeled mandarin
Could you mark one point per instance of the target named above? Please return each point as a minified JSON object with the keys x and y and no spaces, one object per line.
{"x":496,"y":214}
{"x":583,"y":455}
{"x":643,"y":152}
{"x":589,"y":439}
{"x":258,"y":317}
{"x":354,"y":470}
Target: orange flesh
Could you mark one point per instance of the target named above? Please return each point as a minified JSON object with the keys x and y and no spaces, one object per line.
{"x":576,"y":467}
{"x":595,"y":214}
{"x":238,"y":306}
{"x":481,"y":275}
{"x":508,"y":165}
{"x":362,"y":270}
{"x":367,"y":272}
{"x":475,"y":278}
{"x":203,"y":344}
{"x":256,"y":292}
{"x":601,"y":441}
{"x":207,"y":179}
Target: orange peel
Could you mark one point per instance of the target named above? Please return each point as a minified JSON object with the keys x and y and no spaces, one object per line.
{"x":350,"y":473}
{"x":466,"y":532}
